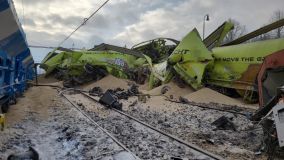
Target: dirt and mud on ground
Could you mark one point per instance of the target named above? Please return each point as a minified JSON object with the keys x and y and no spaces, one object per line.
{"x":47,"y":122}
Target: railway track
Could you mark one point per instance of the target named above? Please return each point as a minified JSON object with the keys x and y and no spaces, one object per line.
{"x":101,"y":128}
{"x":137,"y":137}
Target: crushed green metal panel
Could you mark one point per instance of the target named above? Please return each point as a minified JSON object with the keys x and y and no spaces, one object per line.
{"x":190,"y":49}
{"x":233,"y":66}
{"x":192,"y":73}
{"x":216,"y":37}
{"x":48,"y":56}
{"x":160,"y":70}
{"x":159,"y":73}
{"x":61,"y":60}
{"x":231,"y":62}
{"x":190,"y":59}
{"x":52,"y":63}
{"x":140,"y":62}
{"x":115,"y":59}
{"x":54,"y":52}
{"x":116,"y":63}
{"x":108,"y":47}
{"x":157,"y":49}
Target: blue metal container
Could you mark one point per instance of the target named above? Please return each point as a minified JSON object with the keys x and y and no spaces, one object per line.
{"x":16,"y":62}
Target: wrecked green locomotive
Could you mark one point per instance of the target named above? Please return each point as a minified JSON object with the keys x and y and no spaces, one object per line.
{"x":199,"y":63}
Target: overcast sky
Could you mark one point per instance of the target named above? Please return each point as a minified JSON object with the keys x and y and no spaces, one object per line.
{"x":126,"y":22}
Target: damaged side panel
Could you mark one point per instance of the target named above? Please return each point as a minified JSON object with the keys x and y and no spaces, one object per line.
{"x":237,"y":66}
{"x":73,"y":64}
{"x":216,"y":37}
{"x":190,"y":59}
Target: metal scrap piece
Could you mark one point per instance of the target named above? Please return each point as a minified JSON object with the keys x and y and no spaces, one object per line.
{"x":278,"y":113}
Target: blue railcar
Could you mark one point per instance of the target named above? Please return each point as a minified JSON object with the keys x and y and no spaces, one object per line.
{"x":16,"y":61}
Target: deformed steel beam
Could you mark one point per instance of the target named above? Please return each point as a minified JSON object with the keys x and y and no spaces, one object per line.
{"x":257,"y":32}
{"x":215,"y":38}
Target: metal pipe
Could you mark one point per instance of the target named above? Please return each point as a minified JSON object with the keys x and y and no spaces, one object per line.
{"x":206,"y":107}
{"x":206,"y":18}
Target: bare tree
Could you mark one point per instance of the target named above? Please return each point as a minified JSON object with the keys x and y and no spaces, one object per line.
{"x":265,"y":36}
{"x":276,"y":33}
{"x":237,"y":32}
{"x":278,"y":15}
{"x":262,"y":37}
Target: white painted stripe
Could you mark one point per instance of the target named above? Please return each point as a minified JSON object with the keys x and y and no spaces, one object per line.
{"x":8,"y":24}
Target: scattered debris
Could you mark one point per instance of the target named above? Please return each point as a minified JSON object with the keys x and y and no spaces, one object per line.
{"x":271,"y":119}
{"x":122,"y":94}
{"x":177,"y":158}
{"x":133,"y":104}
{"x":110,"y":97}
{"x":133,"y":90}
{"x":110,"y":100}
{"x":120,"y":156}
{"x":165,"y":89}
{"x":142,"y":140}
{"x":207,"y":117}
{"x":143,"y":98}
{"x":224,"y":123}
{"x":194,"y":124}
{"x":172,"y":88}
{"x":91,"y":73}
{"x":211,"y":141}
{"x":96,"y":91}
{"x":31,"y":154}
{"x":54,"y":129}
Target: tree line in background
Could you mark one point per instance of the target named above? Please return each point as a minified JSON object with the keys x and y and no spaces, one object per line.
{"x":240,"y":30}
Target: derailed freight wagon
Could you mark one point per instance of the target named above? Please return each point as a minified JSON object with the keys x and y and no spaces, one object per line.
{"x":16,"y":62}
{"x":78,"y":67}
{"x":231,"y":68}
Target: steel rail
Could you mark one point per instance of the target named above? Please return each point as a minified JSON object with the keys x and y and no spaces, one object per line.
{"x":101,"y":128}
{"x":206,"y":107}
{"x":190,"y":145}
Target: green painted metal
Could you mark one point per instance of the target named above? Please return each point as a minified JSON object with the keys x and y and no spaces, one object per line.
{"x":160,"y":74}
{"x":157,"y":49}
{"x":216,"y":37}
{"x":257,"y":32}
{"x":229,"y":67}
{"x":232,"y":62}
{"x":198,"y":64}
{"x":115,"y":63}
{"x":61,"y":60}
{"x":191,"y":58}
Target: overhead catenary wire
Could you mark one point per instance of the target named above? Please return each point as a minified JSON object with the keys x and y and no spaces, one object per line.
{"x":50,"y":47}
{"x":84,"y":22}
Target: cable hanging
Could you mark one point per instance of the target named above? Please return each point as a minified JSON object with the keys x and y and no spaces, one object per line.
{"x":82,"y":24}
